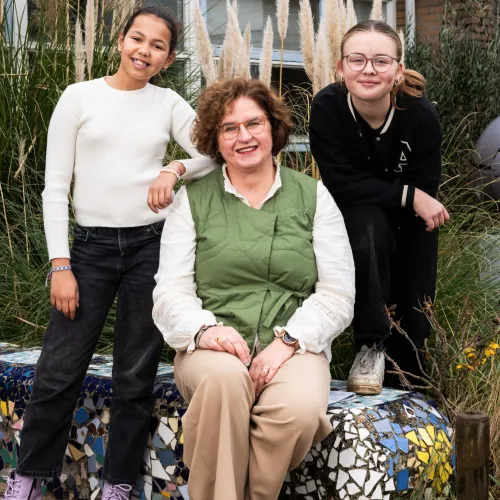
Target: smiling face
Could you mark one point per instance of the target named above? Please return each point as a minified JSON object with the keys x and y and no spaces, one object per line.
{"x":246,"y":151}
{"x":145,"y":48}
{"x":368,"y":84}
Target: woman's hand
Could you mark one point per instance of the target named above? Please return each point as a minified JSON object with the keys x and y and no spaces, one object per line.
{"x":225,"y":338}
{"x":268,"y":362}
{"x":160,"y":192}
{"x":64,"y":293}
{"x":429,"y":209}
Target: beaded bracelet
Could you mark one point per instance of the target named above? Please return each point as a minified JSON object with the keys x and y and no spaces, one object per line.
{"x":55,"y":269}
{"x":201,"y":331}
{"x":171,"y":170}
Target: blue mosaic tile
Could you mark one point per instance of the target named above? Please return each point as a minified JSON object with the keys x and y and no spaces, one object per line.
{"x":382,"y":426}
{"x":402,"y":480}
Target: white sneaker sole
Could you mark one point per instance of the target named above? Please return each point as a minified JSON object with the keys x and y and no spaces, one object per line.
{"x":363,"y":389}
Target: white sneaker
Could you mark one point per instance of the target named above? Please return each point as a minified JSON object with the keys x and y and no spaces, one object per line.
{"x":367,"y":372}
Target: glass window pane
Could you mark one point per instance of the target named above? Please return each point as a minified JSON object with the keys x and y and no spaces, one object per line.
{"x":256,"y":12}
{"x":364,"y":7}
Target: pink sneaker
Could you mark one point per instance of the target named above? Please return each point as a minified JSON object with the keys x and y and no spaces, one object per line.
{"x":22,"y":488}
{"x":116,"y":491}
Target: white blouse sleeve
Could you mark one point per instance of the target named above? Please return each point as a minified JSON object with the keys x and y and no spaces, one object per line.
{"x":183,"y":117}
{"x":329,"y":310}
{"x":177,"y":311}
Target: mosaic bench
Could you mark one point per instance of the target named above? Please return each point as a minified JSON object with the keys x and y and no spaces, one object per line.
{"x":381,"y":445}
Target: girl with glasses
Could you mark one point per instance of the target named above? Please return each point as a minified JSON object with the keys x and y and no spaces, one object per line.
{"x":376,"y":139}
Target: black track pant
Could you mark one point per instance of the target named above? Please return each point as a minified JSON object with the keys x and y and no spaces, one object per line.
{"x":396,"y":261}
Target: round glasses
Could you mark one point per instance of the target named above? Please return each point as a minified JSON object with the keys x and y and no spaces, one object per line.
{"x":381,"y":63}
{"x":232,"y":130}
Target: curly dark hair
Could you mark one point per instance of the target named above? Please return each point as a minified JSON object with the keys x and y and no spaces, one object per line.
{"x":214,"y":104}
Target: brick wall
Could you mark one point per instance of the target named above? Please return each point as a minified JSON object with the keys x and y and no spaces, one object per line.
{"x":429,"y":15}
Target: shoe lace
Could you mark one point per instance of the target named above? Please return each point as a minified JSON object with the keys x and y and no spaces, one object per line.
{"x":12,"y":487}
{"x":119,"y":492}
{"x":367,"y":361}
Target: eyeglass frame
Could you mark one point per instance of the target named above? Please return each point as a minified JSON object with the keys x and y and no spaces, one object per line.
{"x":238,"y":124}
{"x":370,"y":59}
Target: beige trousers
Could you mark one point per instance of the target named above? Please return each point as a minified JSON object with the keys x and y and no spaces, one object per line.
{"x":239,"y":450}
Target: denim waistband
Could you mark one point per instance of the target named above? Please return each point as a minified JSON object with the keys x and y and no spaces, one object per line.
{"x":112,"y":231}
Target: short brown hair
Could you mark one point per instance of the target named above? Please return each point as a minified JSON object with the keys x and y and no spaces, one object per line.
{"x":412,"y":83}
{"x":214,"y":103}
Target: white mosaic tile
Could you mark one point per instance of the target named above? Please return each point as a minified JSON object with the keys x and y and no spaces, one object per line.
{"x":377,"y":494}
{"x":372,"y":481}
{"x":363,"y":433}
{"x":361,"y":450}
{"x":359,"y":475}
{"x":389,"y":485}
{"x":333,"y":459}
{"x":342,"y":478}
{"x":342,"y":493}
{"x":347,"y":457}
{"x":352,"y":488}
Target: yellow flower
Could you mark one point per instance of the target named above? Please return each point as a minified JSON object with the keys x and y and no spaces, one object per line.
{"x":469,"y":350}
{"x":471,"y":355}
{"x":470,"y":367}
{"x":489,"y":352}
{"x":494,"y":345}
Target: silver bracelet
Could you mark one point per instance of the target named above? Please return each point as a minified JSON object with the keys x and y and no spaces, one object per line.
{"x":56,"y":269}
{"x":171,"y":170}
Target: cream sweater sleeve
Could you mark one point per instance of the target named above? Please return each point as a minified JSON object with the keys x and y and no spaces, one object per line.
{"x":60,"y":162}
{"x":182,"y":122}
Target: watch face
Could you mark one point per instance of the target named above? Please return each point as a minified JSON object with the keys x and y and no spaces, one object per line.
{"x":289,"y":339}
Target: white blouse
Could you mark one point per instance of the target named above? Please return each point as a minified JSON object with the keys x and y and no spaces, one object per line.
{"x":179,"y":314}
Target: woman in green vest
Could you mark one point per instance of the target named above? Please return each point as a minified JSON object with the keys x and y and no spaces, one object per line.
{"x":256,"y":279}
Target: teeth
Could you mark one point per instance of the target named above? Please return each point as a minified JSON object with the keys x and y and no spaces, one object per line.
{"x":247,"y":149}
{"x":136,"y":61}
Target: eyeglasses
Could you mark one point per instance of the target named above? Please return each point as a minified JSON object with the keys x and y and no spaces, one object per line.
{"x":380,"y":63}
{"x":255,"y":126}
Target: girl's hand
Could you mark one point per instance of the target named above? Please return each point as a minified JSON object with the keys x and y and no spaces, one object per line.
{"x":225,"y":339}
{"x":268,"y":362}
{"x":429,"y":209}
{"x":64,"y":293}
{"x":160,"y":192}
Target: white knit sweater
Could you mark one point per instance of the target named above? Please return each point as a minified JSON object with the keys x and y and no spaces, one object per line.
{"x":113,"y":142}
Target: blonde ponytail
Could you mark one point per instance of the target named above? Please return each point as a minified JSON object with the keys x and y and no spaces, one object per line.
{"x":412,"y":84}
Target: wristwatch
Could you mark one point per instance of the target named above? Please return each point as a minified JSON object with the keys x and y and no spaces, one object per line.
{"x":287,"y":338}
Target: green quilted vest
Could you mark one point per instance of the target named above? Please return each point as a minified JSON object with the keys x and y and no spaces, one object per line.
{"x":254,"y":267}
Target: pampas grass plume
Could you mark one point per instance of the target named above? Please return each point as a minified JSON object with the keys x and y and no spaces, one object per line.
{"x":351,"y":15}
{"x":306,"y":30}
{"x":402,"y":38}
{"x":79,"y":53}
{"x":203,"y":45}
{"x":282,"y":7}
{"x":376,"y":13}
{"x":90,"y":25}
{"x":266,"y":59}
{"x":243,"y":61}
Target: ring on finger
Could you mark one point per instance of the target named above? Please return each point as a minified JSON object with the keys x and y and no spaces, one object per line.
{"x":219,"y":338}
{"x":265,"y":370}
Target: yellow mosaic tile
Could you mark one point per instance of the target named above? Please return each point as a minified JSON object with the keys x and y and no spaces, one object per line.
{"x":3,"y":407}
{"x":423,"y":456}
{"x":11,"y":407}
{"x":411,"y":462}
{"x":181,"y":439}
{"x":412,"y":436}
{"x":431,"y":431}
{"x":431,"y":471}
{"x":448,"y":467}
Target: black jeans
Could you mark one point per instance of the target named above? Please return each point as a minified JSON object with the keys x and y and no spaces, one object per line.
{"x":396,"y":263}
{"x":106,"y":262}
